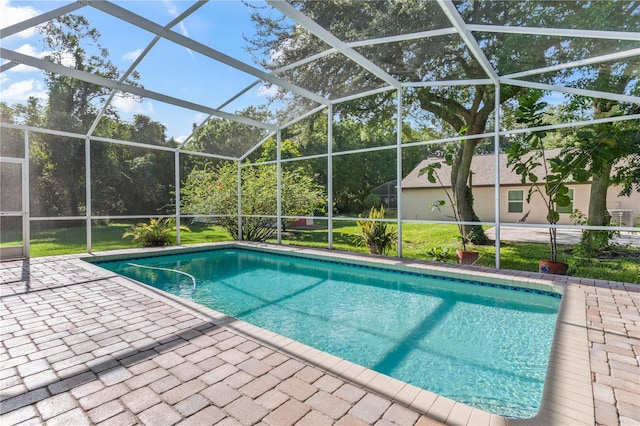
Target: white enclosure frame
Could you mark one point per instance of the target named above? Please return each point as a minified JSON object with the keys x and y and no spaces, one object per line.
{"x":458,"y":27}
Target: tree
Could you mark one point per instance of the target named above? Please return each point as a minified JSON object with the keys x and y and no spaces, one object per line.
{"x":72,"y":105}
{"x":124,"y":179}
{"x":28,"y":115}
{"x":287,"y":150}
{"x":229,"y":138}
{"x":355,"y":175}
{"x":610,"y":151}
{"x":461,"y":109}
{"x":215,"y":192}
{"x":545,"y":176}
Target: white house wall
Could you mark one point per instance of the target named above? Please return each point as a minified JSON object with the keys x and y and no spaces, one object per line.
{"x":416,"y":204}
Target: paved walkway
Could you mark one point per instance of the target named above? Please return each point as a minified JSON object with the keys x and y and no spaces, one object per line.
{"x":81,"y":345}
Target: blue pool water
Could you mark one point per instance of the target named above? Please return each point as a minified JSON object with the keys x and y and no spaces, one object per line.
{"x":484,"y":346}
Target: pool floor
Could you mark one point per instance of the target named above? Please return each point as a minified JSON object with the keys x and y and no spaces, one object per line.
{"x":80,"y":345}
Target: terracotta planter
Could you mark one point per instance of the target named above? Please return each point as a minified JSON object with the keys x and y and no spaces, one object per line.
{"x":467,"y":257}
{"x":550,"y":267}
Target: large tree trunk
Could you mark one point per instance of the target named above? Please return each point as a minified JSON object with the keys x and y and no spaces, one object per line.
{"x":598,"y":214}
{"x":462,"y":192}
{"x":460,"y":171}
{"x":474,"y":120}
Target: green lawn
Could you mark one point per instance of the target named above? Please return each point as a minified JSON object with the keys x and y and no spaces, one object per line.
{"x":619,"y":264}
{"x":73,"y":239}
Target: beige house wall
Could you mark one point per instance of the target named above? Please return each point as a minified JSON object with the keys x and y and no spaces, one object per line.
{"x":416,"y":202}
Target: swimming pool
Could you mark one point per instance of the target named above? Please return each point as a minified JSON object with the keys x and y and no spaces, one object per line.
{"x":484,"y":345}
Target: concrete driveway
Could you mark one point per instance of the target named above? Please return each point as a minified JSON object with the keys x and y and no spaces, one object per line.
{"x":565,"y":236}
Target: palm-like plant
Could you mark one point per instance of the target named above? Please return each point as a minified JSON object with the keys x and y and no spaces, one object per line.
{"x":376,"y":235}
{"x":158,"y":232}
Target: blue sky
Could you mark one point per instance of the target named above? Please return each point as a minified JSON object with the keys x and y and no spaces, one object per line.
{"x":169,"y":68}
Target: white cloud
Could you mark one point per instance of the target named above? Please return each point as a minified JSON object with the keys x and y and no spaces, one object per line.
{"x":14,"y":14}
{"x":173,"y":11}
{"x":183,"y":29}
{"x":275,"y":55}
{"x":180,"y":139}
{"x":131,"y":106}
{"x":27,"y":49}
{"x":20,"y":91}
{"x":268,"y":91}
{"x":132,"y":56}
{"x":68,"y":60}
{"x":171,"y":8}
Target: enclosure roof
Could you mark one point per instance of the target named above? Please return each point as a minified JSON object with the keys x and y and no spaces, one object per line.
{"x":195,"y":60}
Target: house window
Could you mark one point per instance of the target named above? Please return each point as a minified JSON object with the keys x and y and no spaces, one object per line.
{"x":516,"y":200}
{"x":567,"y":209}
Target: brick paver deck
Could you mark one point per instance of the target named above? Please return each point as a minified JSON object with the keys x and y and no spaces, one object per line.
{"x":81,"y":345}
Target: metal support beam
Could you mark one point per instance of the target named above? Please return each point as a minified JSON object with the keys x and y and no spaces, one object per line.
{"x":556,"y":32}
{"x":87,"y":183}
{"x":139,"y":21}
{"x":177,"y":192}
{"x":40,"y":19}
{"x":574,"y":64}
{"x":279,"y":184}
{"x":227,"y":102}
{"x":26,"y":202}
{"x":333,"y":41}
{"x":399,"y":171}
{"x":458,"y":23}
{"x":496,"y":166}
{"x":403,"y":37}
{"x":112,"y":84}
{"x":471,"y":82}
{"x":239,"y":189}
{"x":572,"y":90}
{"x":139,"y":59}
{"x":330,"y":176}
{"x":7,"y":66}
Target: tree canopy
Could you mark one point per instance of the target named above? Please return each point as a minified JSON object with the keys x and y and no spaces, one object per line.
{"x":215,"y":192}
{"x":464,"y":109}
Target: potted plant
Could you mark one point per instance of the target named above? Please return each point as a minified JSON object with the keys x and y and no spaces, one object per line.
{"x":464,"y":256}
{"x":528,"y":159}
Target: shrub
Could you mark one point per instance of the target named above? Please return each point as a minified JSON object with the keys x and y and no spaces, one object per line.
{"x":376,"y":235}
{"x":158,"y":232}
{"x":439,"y":254}
{"x":208,"y":192}
{"x":371,"y":200}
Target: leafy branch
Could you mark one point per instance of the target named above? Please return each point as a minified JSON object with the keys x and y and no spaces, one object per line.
{"x":528,"y":157}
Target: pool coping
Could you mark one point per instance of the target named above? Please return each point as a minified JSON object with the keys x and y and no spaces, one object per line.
{"x":567,"y":395}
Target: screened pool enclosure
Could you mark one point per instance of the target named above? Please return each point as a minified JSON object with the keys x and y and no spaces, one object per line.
{"x":305,"y":114}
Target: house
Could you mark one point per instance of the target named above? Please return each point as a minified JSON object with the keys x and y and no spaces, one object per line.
{"x":418,"y":194}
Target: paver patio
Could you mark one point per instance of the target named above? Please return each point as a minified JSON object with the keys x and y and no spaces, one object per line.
{"x":81,"y":345}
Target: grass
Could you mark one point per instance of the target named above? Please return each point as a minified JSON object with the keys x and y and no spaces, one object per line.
{"x":617,"y":264}
{"x":73,"y":239}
